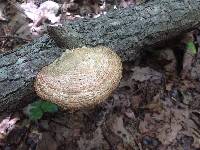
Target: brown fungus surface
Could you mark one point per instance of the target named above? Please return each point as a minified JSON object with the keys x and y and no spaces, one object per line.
{"x":81,"y":78}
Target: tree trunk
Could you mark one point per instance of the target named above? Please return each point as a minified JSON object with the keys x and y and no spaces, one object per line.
{"x":126,"y":31}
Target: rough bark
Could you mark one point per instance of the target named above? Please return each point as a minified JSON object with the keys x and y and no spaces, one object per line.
{"x":126,"y":31}
{"x":18,"y":69}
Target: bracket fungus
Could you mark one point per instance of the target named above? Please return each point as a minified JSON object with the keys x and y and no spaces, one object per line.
{"x":80,"y":78}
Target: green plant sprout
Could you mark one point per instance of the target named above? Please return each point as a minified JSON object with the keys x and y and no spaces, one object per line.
{"x":191,"y":47}
{"x":36,"y":110}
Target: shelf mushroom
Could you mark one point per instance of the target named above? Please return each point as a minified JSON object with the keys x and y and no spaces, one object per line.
{"x":80,"y":78}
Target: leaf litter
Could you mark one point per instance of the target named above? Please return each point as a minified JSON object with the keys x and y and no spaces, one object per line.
{"x":151,"y":108}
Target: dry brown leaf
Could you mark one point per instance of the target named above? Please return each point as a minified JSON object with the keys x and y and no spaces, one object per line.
{"x":129,"y":113}
{"x":47,"y":142}
{"x":142,"y":74}
{"x":7,"y":125}
{"x":119,"y":129}
{"x":136,"y":100}
{"x":2,"y":7}
{"x":168,"y":133}
{"x":97,"y":142}
{"x":155,"y":105}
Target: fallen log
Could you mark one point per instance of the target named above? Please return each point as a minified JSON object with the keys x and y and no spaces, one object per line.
{"x":126,"y":31}
{"x":18,"y":69}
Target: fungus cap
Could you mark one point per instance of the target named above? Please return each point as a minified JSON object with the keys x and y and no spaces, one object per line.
{"x":81,"y":78}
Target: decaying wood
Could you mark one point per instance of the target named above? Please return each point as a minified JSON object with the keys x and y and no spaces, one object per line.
{"x":18,"y":69}
{"x":126,"y":31}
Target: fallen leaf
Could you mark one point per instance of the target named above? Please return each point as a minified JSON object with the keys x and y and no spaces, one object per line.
{"x":7,"y":125}
{"x":96,"y":142}
{"x":47,"y":142}
{"x":119,"y":129}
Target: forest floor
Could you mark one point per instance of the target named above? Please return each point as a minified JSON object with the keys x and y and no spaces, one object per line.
{"x":152,"y":108}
